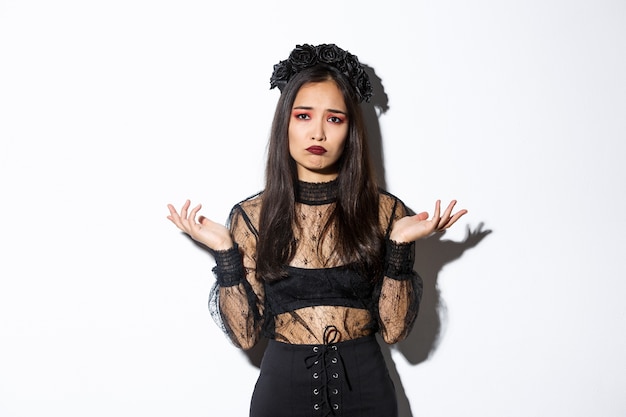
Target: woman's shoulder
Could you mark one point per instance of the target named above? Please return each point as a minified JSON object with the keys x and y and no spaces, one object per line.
{"x":391,"y":207}
{"x":249,"y":206}
{"x":251,"y":202}
{"x":388,"y":199}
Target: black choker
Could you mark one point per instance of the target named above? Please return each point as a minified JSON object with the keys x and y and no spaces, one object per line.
{"x":316,"y":193}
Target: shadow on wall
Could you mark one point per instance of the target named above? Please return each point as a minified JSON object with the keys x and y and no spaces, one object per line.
{"x":432,"y":254}
{"x":378,"y":105}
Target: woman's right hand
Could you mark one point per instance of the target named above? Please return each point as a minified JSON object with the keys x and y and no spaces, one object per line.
{"x":213,"y":235}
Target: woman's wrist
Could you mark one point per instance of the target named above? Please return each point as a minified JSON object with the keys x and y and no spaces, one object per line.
{"x":398,"y":238}
{"x":229,"y":266}
{"x":399,"y":259}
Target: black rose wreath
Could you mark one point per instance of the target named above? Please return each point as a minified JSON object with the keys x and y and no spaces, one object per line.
{"x":306,"y":56}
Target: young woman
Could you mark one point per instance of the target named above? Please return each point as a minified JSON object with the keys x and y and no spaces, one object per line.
{"x":321,"y":259}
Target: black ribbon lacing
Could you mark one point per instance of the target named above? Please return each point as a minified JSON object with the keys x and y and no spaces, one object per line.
{"x":321,"y":355}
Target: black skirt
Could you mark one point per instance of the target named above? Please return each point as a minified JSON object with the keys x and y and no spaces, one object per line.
{"x":346,"y":379}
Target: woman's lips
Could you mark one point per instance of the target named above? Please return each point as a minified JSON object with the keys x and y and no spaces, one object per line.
{"x":317,"y":150}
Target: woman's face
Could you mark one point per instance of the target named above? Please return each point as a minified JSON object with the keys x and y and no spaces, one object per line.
{"x":318,"y":128}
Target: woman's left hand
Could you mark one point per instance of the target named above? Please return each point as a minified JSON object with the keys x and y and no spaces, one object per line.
{"x":411,"y":228}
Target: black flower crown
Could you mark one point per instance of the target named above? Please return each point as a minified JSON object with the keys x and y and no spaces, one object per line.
{"x":306,"y":56}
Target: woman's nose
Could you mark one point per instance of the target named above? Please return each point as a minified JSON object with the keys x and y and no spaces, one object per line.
{"x":318,"y":133}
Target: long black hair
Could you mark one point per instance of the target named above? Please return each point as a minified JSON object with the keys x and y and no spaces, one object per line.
{"x":355,"y":216}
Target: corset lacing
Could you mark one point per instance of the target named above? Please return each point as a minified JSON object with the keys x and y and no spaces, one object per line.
{"x":328,"y":372}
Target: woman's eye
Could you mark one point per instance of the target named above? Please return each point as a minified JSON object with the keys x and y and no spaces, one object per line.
{"x":302,"y":116}
{"x":335,"y":119}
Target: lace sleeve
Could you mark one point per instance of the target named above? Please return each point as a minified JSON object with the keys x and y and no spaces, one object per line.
{"x":401,"y":288}
{"x":236,"y":299}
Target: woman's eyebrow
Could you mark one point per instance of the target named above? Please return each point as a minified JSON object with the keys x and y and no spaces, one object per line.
{"x":328,"y":110}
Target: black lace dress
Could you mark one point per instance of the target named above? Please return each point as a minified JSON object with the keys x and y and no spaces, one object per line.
{"x":322,"y":358}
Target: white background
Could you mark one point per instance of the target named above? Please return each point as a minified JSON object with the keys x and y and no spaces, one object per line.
{"x":109,"y":110}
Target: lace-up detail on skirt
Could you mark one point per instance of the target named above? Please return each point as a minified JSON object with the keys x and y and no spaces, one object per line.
{"x":328,"y":373}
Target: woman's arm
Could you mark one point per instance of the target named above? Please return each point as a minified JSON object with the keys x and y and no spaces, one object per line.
{"x":401,"y":288}
{"x":238,"y":294}
{"x":236,"y":300}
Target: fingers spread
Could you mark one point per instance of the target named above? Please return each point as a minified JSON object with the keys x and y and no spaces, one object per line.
{"x":194,"y":212}
{"x":456,"y":217}
{"x":447,"y":219}
{"x":183,"y":210}
{"x":174,"y":217}
{"x":448,"y":211}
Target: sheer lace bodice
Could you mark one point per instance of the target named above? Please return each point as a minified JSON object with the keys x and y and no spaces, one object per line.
{"x":319,"y":293}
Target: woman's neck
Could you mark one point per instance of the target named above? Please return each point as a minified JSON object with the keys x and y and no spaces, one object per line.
{"x":316,"y":193}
